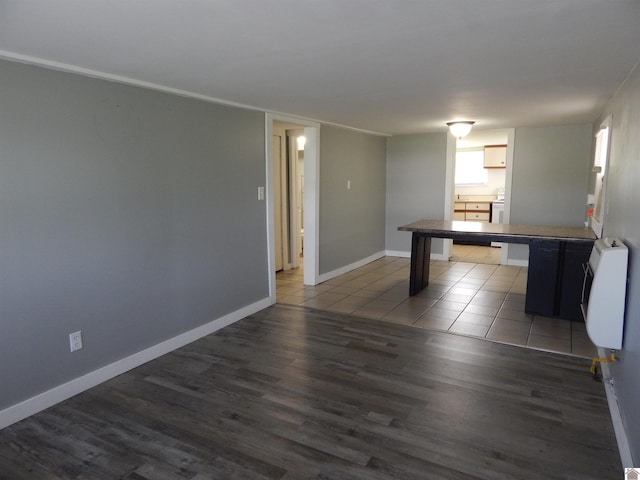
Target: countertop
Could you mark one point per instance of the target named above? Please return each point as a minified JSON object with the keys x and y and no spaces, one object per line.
{"x":475,"y":198}
{"x":509,"y":233}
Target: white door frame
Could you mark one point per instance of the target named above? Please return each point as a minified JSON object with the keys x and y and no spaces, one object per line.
{"x":280,"y":194}
{"x":449,"y":189}
{"x":311,"y":198}
{"x":294,"y":183}
{"x":511,"y":140}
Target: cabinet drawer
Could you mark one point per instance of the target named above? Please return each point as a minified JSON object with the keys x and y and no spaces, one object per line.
{"x":459,"y":206}
{"x":459,"y":216}
{"x":477,"y":216}
{"x":481,"y":206}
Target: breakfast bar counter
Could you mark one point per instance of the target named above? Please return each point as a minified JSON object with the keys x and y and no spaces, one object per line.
{"x":556,"y":256}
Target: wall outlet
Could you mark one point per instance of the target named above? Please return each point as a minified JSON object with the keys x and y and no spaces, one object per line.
{"x":75,"y":341}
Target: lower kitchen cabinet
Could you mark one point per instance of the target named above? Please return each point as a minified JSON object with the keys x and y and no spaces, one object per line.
{"x":472,"y":211}
{"x":555,"y":275}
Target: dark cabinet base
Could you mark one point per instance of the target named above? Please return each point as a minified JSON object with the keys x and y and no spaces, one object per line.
{"x":554,"y":280}
{"x":542,"y":277}
{"x":575,"y":256}
{"x":555,"y":276}
{"x":472,"y":242}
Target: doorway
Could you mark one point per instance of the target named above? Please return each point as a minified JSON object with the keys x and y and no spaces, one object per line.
{"x":292,"y":198}
{"x":288,"y":195}
{"x":478,"y":189}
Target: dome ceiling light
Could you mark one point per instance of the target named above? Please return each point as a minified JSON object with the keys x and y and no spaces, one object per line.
{"x":460,"y":129}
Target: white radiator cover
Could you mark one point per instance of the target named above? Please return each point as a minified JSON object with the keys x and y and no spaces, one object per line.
{"x":604,"y":292}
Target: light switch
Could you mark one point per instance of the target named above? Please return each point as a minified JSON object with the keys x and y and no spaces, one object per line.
{"x":260,"y":193}
{"x":348,"y":184}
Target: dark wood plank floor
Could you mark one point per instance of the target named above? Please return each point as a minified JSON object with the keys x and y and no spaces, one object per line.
{"x":291,"y":393}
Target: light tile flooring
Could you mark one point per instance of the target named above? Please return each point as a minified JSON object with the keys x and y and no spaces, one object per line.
{"x":474,"y":254}
{"x":476,"y":299}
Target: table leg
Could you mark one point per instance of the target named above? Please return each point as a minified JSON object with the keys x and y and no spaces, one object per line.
{"x":420,"y":258}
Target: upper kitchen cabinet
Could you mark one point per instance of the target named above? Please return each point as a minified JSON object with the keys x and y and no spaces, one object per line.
{"x":495,"y":156}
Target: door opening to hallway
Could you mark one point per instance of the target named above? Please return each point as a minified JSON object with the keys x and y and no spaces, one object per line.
{"x":288,"y":195}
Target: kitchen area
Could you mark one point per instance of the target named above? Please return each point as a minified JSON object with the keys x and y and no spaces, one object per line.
{"x":479,"y":193}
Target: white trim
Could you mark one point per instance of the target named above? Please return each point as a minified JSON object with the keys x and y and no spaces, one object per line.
{"x":87,"y":72}
{"x":597,"y":225}
{"x":616,"y":418}
{"x":508,"y":182}
{"x":449,"y":191}
{"x":347,"y":268}
{"x":311,"y":198}
{"x":403,"y":254}
{"x":44,"y":400}
{"x":397,"y":253}
{"x":294,"y":186}
{"x":269,"y":208}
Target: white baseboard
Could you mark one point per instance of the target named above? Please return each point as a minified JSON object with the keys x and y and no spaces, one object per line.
{"x":44,"y":400}
{"x":398,"y":253}
{"x":347,"y":268}
{"x":616,"y":418}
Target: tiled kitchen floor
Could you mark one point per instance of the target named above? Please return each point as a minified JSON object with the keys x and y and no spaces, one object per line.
{"x":480,"y":300}
{"x":474,"y":254}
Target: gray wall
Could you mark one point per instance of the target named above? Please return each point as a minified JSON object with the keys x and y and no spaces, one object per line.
{"x":416,"y":168}
{"x":551,"y":169}
{"x":351,"y":221}
{"x":550,"y":179}
{"x":126,"y":213}
{"x":622,"y":220}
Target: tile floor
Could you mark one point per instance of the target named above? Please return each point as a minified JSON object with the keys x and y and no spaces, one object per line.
{"x":476,"y":299}
{"x":474,"y":254}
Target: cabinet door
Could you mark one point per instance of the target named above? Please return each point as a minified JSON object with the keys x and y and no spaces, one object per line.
{"x":478,"y":206}
{"x":477,"y":216}
{"x":542,"y":277}
{"x":495,"y":156}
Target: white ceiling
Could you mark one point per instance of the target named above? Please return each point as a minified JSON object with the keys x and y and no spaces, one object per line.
{"x":400,"y":66}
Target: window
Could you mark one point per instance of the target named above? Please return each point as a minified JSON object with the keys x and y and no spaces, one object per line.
{"x":470,"y":168}
{"x":600,"y":170}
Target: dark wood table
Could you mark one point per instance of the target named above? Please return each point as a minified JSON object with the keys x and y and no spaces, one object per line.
{"x":556,"y":256}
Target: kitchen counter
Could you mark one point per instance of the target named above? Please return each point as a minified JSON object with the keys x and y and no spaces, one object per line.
{"x":474,"y":198}
{"x":498,"y":232}
{"x":556,"y":256}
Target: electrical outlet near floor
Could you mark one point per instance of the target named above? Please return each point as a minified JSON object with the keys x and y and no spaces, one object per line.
{"x":75,"y":341}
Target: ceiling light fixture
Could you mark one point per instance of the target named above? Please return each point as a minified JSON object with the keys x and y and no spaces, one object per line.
{"x":460,"y":129}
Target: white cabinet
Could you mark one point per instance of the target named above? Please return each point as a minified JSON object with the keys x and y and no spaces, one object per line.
{"x":472,"y":211}
{"x":495,"y":156}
